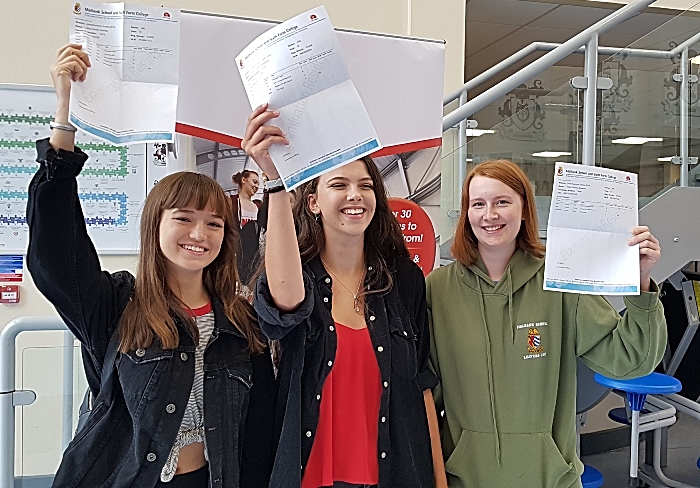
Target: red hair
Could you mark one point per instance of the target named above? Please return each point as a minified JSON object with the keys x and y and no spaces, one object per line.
{"x":465,"y":246}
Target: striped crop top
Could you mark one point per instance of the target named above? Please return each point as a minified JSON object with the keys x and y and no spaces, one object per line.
{"x":192,"y":426}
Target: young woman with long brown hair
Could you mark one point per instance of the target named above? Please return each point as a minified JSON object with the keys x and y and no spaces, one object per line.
{"x":505,"y":350}
{"x":348,"y":307}
{"x":181,"y":375}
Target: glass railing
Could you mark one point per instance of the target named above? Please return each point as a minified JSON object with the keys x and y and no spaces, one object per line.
{"x":638,"y":130}
{"x":640,"y":117}
{"x":538,"y":128}
{"x":44,"y":428}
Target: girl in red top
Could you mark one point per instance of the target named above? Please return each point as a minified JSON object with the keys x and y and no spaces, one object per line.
{"x":349,"y":309}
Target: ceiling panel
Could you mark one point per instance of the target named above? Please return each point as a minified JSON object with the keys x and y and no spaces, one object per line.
{"x":572,"y":16}
{"x":512,"y":12}
{"x":482,"y":34}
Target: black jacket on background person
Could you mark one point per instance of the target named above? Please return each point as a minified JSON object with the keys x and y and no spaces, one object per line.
{"x":398,"y":326}
{"x":140,"y":396}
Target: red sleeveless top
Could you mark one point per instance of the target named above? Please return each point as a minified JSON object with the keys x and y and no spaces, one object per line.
{"x":345,"y":446}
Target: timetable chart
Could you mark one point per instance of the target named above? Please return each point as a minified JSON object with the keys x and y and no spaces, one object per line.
{"x":111,"y":186}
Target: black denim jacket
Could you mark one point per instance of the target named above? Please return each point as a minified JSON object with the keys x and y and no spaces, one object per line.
{"x":140,"y":396}
{"x":398,"y":327}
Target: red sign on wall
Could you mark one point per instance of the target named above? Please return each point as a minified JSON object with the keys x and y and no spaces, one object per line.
{"x":417,"y":230}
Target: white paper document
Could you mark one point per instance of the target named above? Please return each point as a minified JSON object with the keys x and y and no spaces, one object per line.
{"x":297,"y":67}
{"x":130,"y":93}
{"x":591,"y":217}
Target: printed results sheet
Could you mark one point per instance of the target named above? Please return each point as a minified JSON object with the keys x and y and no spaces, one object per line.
{"x":591,"y":217}
{"x":130,"y":93}
{"x":297,"y":67}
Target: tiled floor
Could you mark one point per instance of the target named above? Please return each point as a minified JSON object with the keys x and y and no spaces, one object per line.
{"x":683,"y":454}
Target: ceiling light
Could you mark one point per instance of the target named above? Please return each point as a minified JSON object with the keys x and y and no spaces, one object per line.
{"x":469,"y":160}
{"x":551,"y":154}
{"x":695,"y":60}
{"x":478,"y":132}
{"x":637,"y":140}
{"x":666,"y":159}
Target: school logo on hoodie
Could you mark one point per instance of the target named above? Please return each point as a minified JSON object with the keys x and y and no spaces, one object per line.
{"x":534,"y":341}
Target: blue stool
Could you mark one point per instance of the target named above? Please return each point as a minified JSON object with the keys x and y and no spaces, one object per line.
{"x":591,"y":477}
{"x":637,"y":390}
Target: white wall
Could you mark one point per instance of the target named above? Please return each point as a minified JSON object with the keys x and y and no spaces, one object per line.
{"x":31,"y":32}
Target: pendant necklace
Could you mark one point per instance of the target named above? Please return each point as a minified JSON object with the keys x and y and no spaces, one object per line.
{"x":355,"y":294}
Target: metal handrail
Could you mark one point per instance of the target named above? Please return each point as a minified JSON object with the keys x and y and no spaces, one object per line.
{"x":679,"y":48}
{"x":540,"y":64}
{"x":8,"y":390}
{"x":549,"y":46}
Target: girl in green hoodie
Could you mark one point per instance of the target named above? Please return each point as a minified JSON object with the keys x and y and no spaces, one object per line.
{"x":505,"y":350}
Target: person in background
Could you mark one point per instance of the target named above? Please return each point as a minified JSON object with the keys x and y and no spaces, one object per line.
{"x":247,"y":219}
{"x":348,"y":306}
{"x":181,"y":375}
{"x":505,"y":350}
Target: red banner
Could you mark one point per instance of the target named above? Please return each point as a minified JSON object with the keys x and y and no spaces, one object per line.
{"x":417,"y":230}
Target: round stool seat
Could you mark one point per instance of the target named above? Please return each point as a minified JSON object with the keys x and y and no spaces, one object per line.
{"x":591,"y":477}
{"x":651,"y":384}
{"x":619,"y":415}
{"x":638,"y":388}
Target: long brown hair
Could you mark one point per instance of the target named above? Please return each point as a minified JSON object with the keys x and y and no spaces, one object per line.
{"x":149,"y":313}
{"x":383,"y":239}
{"x":465,"y":246}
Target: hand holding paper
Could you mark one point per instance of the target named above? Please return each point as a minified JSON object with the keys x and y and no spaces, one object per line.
{"x":297,"y":68}
{"x":649,"y":253}
{"x":258,"y":139}
{"x":589,"y":249}
{"x":131,"y":94}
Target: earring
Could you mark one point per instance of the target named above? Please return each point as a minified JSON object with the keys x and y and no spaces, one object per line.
{"x":316,"y":215}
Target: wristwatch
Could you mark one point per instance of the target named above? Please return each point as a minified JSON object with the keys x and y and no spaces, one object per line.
{"x":274,"y":186}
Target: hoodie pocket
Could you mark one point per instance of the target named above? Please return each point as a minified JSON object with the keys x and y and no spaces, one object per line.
{"x":455,"y":460}
{"x":531,"y":460}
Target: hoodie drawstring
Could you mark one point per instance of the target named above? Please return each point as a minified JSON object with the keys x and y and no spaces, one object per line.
{"x":490,"y":370}
{"x":510,"y":305}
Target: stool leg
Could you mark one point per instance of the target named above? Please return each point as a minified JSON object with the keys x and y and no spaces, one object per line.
{"x":664,"y":447}
{"x":634,"y":447}
{"x":649,"y":448}
{"x":657,"y":464}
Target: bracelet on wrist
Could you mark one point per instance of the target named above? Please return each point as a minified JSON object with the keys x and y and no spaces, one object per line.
{"x":59,"y":126}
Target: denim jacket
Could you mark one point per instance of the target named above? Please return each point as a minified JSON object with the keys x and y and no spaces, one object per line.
{"x":140,"y":396}
{"x":398,"y":327}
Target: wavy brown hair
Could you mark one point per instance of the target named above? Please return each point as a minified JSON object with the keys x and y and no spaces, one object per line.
{"x":465,"y":245}
{"x":382,"y":241}
{"x":152,"y":310}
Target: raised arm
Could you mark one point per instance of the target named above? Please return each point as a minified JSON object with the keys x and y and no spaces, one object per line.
{"x":71,"y":65}
{"x":61,"y":256}
{"x":282,"y":260}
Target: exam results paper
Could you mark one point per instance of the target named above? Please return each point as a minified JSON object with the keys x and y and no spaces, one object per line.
{"x":130,"y":93}
{"x":591,"y":216}
{"x":298,"y":69}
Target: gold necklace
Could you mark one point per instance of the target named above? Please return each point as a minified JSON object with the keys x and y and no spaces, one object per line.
{"x":355,"y":294}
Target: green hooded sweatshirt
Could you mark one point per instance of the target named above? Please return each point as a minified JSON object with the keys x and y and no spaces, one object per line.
{"x":505,"y":354}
